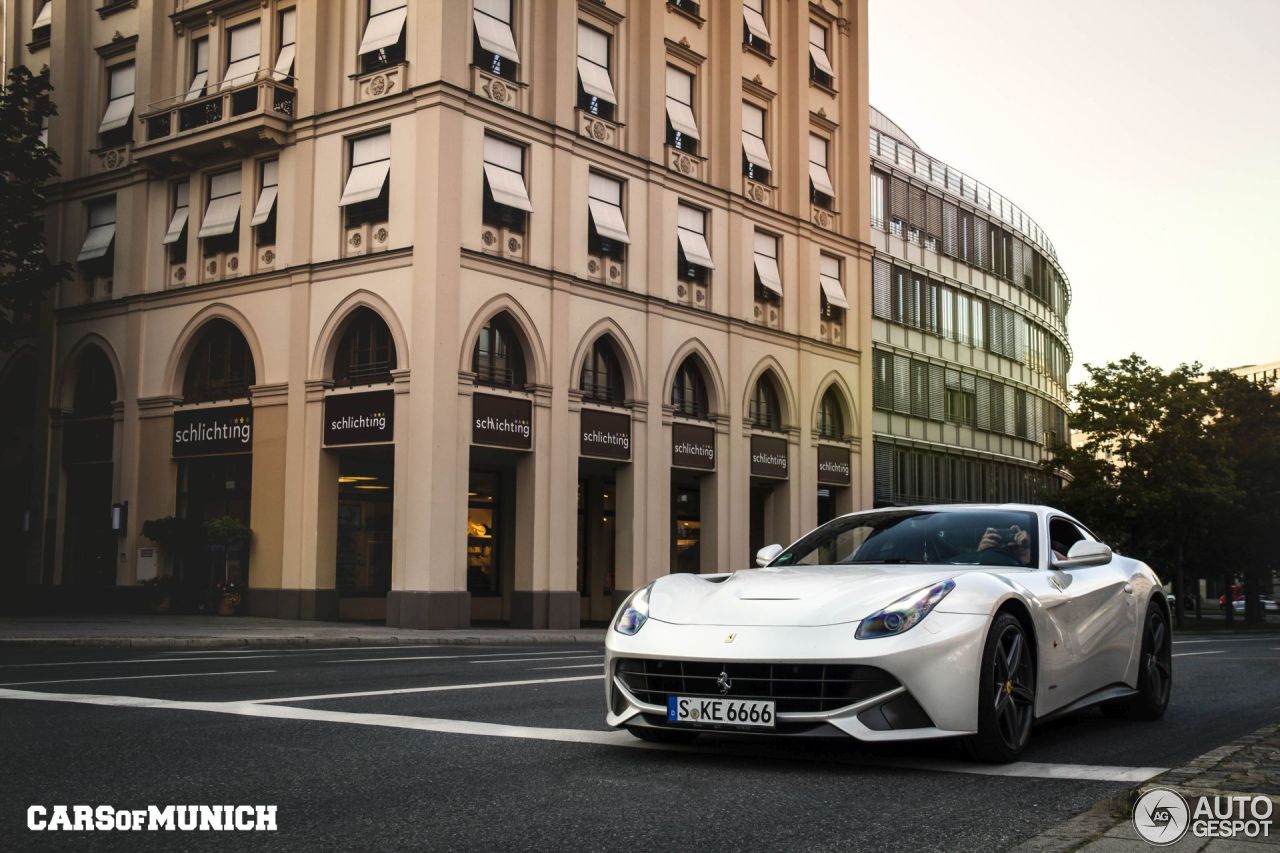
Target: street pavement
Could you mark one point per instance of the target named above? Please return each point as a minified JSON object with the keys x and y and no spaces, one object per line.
{"x":430,"y":747}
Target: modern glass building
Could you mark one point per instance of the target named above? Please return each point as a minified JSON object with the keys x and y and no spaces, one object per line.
{"x":969,"y":333}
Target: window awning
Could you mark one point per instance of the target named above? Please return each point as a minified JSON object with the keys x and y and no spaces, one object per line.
{"x":608,"y":220}
{"x":821,"y":179}
{"x":117,"y":113}
{"x":681,"y":118}
{"x":221,"y":216}
{"x":507,"y":187}
{"x":766,"y":250}
{"x":240,"y":72}
{"x":818,"y":49}
{"x":383,"y":29}
{"x":595,"y":81}
{"x":243,"y":55}
{"x":829,"y":278}
{"x":196,"y":89}
{"x":495,"y":36}
{"x":284,"y":62}
{"x":755,"y":23}
{"x":45,"y":17}
{"x":177,"y":225}
{"x":365,"y":182}
{"x":97,"y":241}
{"x":753,"y":148}
{"x":266,"y":203}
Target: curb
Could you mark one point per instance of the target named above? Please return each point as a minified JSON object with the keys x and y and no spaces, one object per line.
{"x":296,"y":642}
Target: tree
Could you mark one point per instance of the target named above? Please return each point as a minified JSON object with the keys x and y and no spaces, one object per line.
{"x":27,"y":165}
{"x":1177,"y":467}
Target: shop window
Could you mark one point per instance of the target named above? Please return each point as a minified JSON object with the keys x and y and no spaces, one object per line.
{"x":821,"y":191}
{"x":383,"y":44}
{"x":366,"y":352}
{"x":755,"y":154}
{"x":608,"y":228}
{"x":199,"y":70}
{"x":830,"y":416}
{"x":484,"y":563}
{"x":595,"y":87}
{"x":602,"y":374}
{"x":244,"y":53}
{"x":763,"y":411}
{"x":220,"y":228}
{"x":220,"y":367}
{"x":693,"y":254}
{"x":820,"y":68}
{"x":506,"y":200}
{"x":498,"y":358}
{"x":175,"y":237}
{"x":689,"y":390}
{"x":768,"y":280}
{"x":366,"y":195}
{"x":755,"y":31}
{"x":494,"y":45}
{"x":264,"y":212}
{"x":682,"y":127}
{"x":116,"y":127}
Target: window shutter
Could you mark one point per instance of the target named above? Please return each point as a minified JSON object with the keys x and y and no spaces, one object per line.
{"x":880,"y":302}
{"x":882,"y":381}
{"x":883,"y":471}
{"x":981,"y":245}
{"x":933,"y":215}
{"x":915,"y":207}
{"x":1016,"y":274}
{"x":982,"y":388}
{"x":898,"y":198}
{"x":949,"y":229}
{"x":902,"y":384}
{"x":936,"y":393}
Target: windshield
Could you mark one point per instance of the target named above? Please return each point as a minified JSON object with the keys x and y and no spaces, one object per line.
{"x":980,"y":537}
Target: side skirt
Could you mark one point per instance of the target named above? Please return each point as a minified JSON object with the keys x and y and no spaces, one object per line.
{"x":1106,"y":694}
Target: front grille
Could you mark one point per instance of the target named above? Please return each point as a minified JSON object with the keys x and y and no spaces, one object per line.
{"x":793,"y":686}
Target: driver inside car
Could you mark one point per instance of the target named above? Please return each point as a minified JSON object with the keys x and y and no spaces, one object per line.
{"x":1015,"y":541}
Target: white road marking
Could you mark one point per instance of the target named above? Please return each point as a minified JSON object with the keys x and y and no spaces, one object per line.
{"x":526,"y":660}
{"x":1086,"y":772}
{"x":1193,"y":654}
{"x":1226,"y":640}
{"x":435,"y":689}
{"x":454,"y":657}
{"x":331,"y":649}
{"x":125,"y":660}
{"x":571,"y":666}
{"x":136,"y":677}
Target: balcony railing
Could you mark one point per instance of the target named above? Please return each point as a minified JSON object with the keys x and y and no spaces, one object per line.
{"x":260,"y":95}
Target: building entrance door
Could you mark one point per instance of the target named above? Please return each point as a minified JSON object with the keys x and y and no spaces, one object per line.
{"x":366,"y":497}
{"x":597,"y":539}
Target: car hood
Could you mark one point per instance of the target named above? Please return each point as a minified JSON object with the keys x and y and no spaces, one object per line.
{"x":795,"y":596}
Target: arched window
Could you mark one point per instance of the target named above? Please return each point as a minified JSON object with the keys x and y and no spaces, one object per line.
{"x":830,"y":416}
{"x":689,"y":391}
{"x":95,"y":385}
{"x":498,"y":358}
{"x":602,"y":374}
{"x":221,"y":365}
{"x":764,"y":411}
{"x":366,"y":353}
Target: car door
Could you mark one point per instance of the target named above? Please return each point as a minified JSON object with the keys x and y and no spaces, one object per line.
{"x":1097,"y":616}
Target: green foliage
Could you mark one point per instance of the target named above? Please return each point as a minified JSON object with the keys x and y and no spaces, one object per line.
{"x":1179,"y":468}
{"x":27,"y":165}
{"x":226,"y":531}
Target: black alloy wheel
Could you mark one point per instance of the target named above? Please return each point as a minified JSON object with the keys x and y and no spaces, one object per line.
{"x":1006,"y":693}
{"x":1155,"y":671}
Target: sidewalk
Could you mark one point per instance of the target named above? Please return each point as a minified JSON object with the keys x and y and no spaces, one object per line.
{"x":236,"y":631}
{"x":1246,"y":767}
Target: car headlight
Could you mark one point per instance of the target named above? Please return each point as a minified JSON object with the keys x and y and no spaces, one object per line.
{"x":905,"y":613}
{"x":633,"y":613}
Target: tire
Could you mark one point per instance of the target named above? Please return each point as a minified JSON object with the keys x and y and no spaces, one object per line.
{"x":1006,"y":693}
{"x":662,"y":735}
{"x":1155,"y":671}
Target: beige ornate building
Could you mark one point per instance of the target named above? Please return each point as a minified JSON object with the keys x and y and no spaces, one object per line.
{"x":473,"y":312}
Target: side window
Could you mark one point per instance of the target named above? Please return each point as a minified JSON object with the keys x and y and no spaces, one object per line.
{"x":1063,"y":534}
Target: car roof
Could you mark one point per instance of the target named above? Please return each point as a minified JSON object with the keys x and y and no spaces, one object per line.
{"x":1038,"y":509}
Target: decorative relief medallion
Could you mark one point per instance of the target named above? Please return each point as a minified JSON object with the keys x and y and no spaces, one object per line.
{"x":212,"y":267}
{"x":614,"y":271}
{"x":593,"y":266}
{"x":378,"y":85}
{"x":380,"y":235}
{"x":355,"y":240}
{"x":233,"y":263}
{"x":268,"y":257}
{"x":682,"y":291}
{"x":488,"y":237}
{"x":513,"y":245}
{"x":180,"y":274}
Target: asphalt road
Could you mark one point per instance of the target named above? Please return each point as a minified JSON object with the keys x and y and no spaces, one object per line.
{"x":485,"y":763}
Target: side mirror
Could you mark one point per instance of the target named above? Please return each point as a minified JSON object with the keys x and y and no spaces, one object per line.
{"x":1083,"y":554}
{"x":766,"y":555}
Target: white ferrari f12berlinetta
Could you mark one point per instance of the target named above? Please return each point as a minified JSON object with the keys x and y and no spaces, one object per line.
{"x":958,"y":621}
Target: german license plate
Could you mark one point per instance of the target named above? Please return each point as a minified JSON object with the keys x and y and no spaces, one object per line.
{"x":739,"y":713}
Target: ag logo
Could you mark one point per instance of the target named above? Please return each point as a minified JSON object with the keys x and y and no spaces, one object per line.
{"x":1161,"y":816}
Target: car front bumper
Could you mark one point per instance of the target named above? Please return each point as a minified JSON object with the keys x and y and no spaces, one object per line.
{"x":935,"y":664}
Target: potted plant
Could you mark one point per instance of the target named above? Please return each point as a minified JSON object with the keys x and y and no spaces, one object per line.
{"x":225,"y":534}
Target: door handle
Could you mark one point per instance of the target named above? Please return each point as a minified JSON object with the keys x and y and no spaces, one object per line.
{"x":1128,"y":588}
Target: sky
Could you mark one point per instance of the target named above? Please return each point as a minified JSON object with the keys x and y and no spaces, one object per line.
{"x":1143,"y":137}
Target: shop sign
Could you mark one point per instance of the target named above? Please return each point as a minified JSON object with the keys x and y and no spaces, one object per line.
{"x":365,"y":418}
{"x":606,"y":435}
{"x":834,"y":467}
{"x":226,"y":429}
{"x":769,"y":457}
{"x":502,"y":421}
{"x":693,"y":446}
